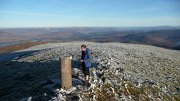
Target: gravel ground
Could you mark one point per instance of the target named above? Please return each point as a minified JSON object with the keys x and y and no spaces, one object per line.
{"x":35,"y":71}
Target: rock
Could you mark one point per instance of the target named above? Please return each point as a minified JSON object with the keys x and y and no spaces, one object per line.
{"x":49,"y":81}
{"x":75,"y":72}
{"x":178,"y":90}
{"x":149,"y":82}
{"x":27,"y":76}
{"x":75,"y":98}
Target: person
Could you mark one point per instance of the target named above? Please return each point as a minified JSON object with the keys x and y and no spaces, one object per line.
{"x":85,"y":62}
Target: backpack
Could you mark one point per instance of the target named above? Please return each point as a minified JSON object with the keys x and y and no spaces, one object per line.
{"x":91,"y":52}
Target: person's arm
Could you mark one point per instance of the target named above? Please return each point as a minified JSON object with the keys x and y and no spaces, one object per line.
{"x":82,"y":55}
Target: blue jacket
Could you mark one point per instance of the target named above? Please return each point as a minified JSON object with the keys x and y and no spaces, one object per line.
{"x":87,"y":58}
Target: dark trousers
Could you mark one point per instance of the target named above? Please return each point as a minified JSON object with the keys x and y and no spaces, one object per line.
{"x":84,"y":69}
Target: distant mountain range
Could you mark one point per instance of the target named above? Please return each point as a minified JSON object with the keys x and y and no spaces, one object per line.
{"x":163,"y":36}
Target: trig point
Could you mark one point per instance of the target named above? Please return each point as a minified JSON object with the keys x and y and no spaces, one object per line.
{"x":65,"y":72}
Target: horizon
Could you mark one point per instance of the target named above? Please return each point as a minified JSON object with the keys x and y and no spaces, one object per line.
{"x":93,"y":27}
{"x":88,"y":13}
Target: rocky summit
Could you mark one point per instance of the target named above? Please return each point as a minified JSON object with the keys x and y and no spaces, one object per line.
{"x":119,"y":72}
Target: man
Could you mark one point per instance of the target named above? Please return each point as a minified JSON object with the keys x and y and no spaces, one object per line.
{"x":85,"y":62}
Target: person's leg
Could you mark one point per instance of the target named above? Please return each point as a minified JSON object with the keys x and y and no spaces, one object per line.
{"x":87,"y":77}
{"x":86,"y":80}
{"x":84,"y":72}
{"x":87,"y":74}
{"x":83,"y":68}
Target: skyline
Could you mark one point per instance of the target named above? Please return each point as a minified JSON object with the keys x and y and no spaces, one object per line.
{"x":91,"y":13}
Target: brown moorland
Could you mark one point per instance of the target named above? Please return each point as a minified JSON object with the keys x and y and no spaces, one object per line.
{"x":19,"y":46}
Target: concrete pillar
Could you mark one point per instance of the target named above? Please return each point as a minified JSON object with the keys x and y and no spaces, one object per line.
{"x":65,"y":72}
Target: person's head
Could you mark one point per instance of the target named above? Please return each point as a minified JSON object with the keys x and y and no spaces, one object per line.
{"x":83,"y":47}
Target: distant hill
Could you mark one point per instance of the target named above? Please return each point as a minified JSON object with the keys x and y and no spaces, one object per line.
{"x":163,"y":36}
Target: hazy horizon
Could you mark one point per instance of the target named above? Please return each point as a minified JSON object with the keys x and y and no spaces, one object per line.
{"x":92,"y":27}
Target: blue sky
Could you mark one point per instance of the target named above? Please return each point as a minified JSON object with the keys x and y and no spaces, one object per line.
{"x":62,"y":13}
